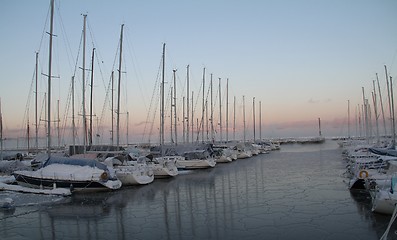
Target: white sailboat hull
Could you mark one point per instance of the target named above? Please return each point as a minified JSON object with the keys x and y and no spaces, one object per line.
{"x":244,"y":154}
{"x":165,"y":167}
{"x":131,"y":175}
{"x":164,"y":172}
{"x":196,"y":163}
{"x":384,"y":202}
{"x":223,"y":159}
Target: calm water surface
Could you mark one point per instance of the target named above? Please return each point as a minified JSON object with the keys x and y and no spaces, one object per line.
{"x":296,"y":193}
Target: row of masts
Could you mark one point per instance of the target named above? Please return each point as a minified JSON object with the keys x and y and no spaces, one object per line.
{"x":188,"y":118}
{"x":88,"y":133}
{"x":364,"y":111}
{"x":204,"y":128}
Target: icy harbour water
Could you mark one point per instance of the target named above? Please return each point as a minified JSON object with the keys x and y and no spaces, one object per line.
{"x":295,"y":193}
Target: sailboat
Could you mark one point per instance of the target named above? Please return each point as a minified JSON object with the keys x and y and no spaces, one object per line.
{"x":129,"y":171}
{"x":76,"y":174}
{"x":164,"y":166}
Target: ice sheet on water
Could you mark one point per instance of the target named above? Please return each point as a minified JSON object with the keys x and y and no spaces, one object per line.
{"x":7,"y":167}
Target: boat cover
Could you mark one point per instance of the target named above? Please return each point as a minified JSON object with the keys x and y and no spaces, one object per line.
{"x":384,"y":151}
{"x":75,"y":161}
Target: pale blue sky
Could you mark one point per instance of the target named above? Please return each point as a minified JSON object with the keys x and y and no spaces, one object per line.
{"x":302,"y":59}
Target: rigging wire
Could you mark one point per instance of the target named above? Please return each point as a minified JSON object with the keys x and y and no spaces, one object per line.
{"x":138,"y":74}
{"x":101,"y":64}
{"x":168,"y":108}
{"x":25,"y":117}
{"x":45,"y":27}
{"x":150,"y":120}
{"x":203,"y":120}
{"x":73,"y":69}
{"x":108,"y":89}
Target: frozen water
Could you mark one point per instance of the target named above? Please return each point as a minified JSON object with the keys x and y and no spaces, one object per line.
{"x":296,"y":193}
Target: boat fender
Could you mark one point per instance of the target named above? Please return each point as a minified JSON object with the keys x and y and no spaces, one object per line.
{"x":363,"y":174}
{"x":104,"y":176}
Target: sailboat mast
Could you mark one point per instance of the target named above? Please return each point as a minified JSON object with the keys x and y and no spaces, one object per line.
{"x":374,"y":99}
{"x":49,"y":81}
{"x":369,"y":112}
{"x":73,"y":123}
{"x":260,"y":120}
{"x":381,"y":104}
{"x":128,"y":120}
{"x":118,"y":89}
{"x":187,"y":104}
{"x":183,"y":120}
{"x":388,"y":96}
{"x":175,"y":117}
{"x":112,"y":109}
{"x":356,"y":120}
{"x":212,"y":115}
{"x":84,"y":113}
{"x":365,"y":116}
{"x":234,"y":117}
{"x":171,"y":117}
{"x":206,"y":119}
{"x":392,"y":107}
{"x":28,"y":133}
{"x":45,"y":117}
{"x":360,"y":119}
{"x":162,"y":103}
{"x":36,"y":117}
{"x":227,"y":109}
{"x":348,"y":119}
{"x":203,"y":106}
{"x":58,"y":129}
{"x":244,"y":116}
{"x":91,"y":97}
{"x":192,"y":119}
{"x":253,"y":115}
{"x":220,"y":111}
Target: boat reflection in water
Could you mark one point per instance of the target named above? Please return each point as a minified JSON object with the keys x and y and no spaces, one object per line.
{"x":281,"y":195}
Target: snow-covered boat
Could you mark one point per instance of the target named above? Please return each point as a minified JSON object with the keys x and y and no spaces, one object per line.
{"x":384,"y":200}
{"x":243,"y":153}
{"x":164,"y":167}
{"x":72,"y":173}
{"x":365,"y":173}
{"x":359,"y":162}
{"x":196,"y":159}
{"x":131,"y":172}
{"x":380,"y":178}
{"x":221,"y":155}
